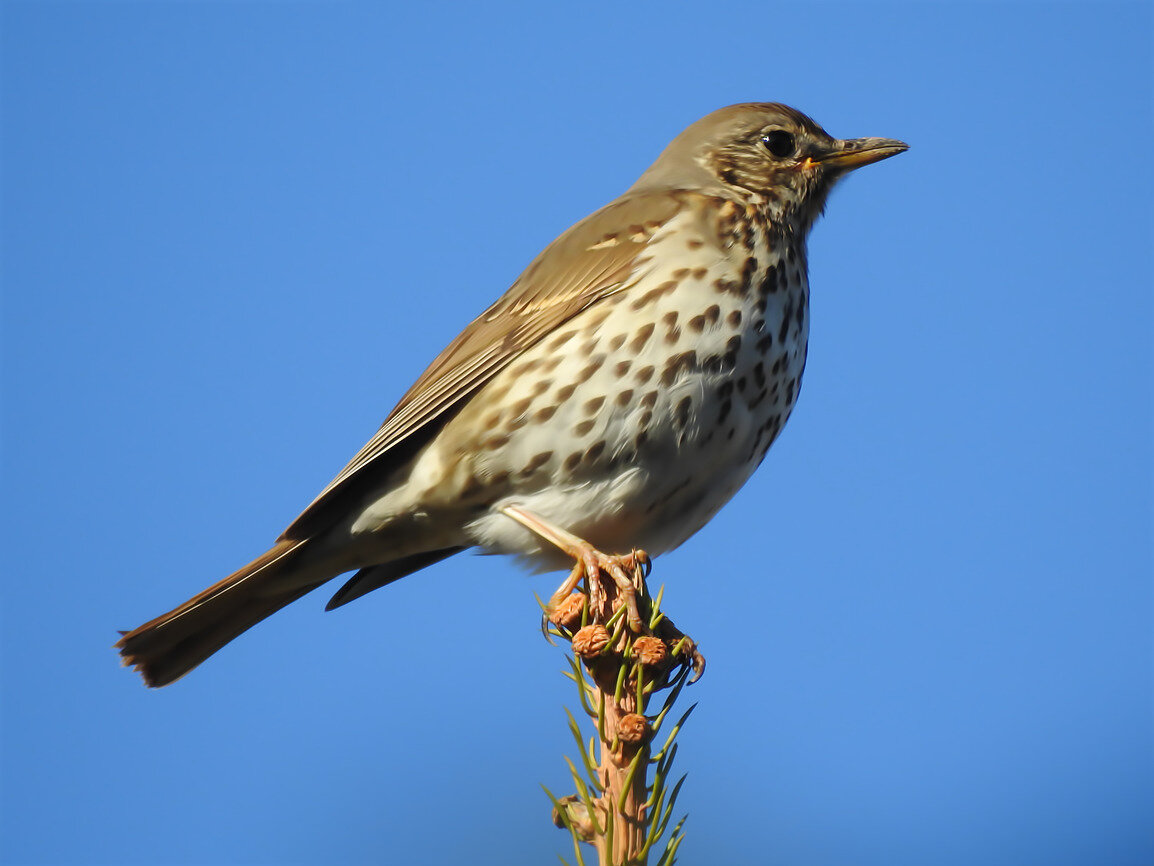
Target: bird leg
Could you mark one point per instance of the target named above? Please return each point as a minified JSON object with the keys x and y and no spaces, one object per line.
{"x":591,"y":563}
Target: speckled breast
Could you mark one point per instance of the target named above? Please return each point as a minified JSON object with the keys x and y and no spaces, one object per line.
{"x":636,"y":421}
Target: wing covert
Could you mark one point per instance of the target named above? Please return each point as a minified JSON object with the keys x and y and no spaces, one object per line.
{"x":597,"y":257}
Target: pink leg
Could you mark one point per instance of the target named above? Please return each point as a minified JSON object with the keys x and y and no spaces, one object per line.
{"x":591,"y":563}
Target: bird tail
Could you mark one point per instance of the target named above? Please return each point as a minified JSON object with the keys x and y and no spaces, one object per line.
{"x":166,"y":648}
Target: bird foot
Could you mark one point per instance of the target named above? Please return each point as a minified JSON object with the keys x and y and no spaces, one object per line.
{"x":625,"y":570}
{"x":682,"y":646}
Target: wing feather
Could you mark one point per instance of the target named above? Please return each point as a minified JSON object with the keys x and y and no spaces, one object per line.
{"x":597,"y":257}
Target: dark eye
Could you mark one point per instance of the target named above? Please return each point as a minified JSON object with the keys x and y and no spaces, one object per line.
{"x":779,"y":143}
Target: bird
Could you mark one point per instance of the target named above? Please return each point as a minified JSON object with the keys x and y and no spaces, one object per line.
{"x":613,"y":399}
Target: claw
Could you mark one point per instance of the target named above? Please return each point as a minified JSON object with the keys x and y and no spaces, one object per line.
{"x":698,"y":665}
{"x":591,"y":564}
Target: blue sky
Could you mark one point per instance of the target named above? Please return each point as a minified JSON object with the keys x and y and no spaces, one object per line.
{"x":234,"y":233}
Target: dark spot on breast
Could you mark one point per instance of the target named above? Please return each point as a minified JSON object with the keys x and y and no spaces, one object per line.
{"x":621,"y":368}
{"x":764,"y":344}
{"x":727,"y":287}
{"x":723,"y":412}
{"x":684,"y":361}
{"x":583,"y":427}
{"x":565,"y":392}
{"x":644,"y":374}
{"x":494,"y":442}
{"x":653,"y":294}
{"x":594,"y":451}
{"x":641,"y":337}
{"x":624,"y":397}
{"x":544,"y":414}
{"x":753,"y":450}
{"x":561,"y":339}
{"x":747,"y":272}
{"x":672,"y":335}
{"x":551,"y":365}
{"x":617,"y":342}
{"x":649,"y":400}
{"x":670,"y":319}
{"x":681,"y":411}
{"x":759,"y":374}
{"x":768,"y":284}
{"x":537,"y":461}
{"x":591,"y":406}
{"x":696,"y":324}
{"x":734,"y":319}
{"x":785,"y":317}
{"x":572,"y":461}
{"x":592,"y":367}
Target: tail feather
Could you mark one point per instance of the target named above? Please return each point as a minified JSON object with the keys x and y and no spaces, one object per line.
{"x":166,"y":648}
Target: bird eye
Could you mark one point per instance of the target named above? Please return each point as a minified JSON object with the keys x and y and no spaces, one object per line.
{"x":779,"y":143}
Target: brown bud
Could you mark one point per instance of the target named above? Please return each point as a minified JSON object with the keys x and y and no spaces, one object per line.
{"x":590,"y":641}
{"x":649,"y":651}
{"x":632,"y":728}
{"x":567,"y":612}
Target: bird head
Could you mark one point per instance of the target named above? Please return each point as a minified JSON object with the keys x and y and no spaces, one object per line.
{"x":765,"y":153}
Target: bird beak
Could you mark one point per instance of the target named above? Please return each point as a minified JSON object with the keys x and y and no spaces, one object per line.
{"x":855,"y":152}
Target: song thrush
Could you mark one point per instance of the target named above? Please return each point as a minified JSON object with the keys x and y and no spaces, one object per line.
{"x":614,"y":398}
